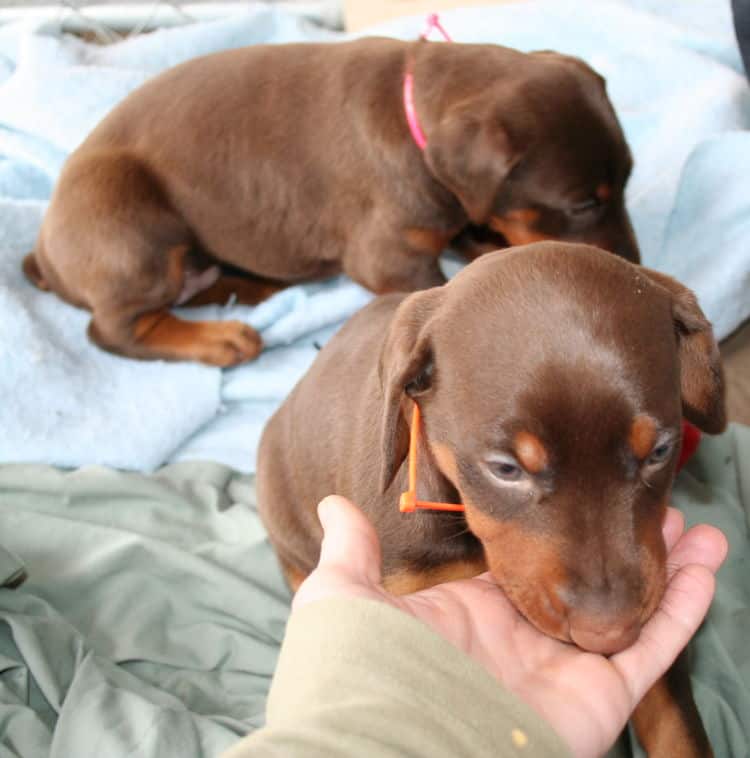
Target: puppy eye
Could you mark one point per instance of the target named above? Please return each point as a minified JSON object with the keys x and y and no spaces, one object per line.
{"x":660,"y":453}
{"x":506,"y":469}
{"x":580,"y":209}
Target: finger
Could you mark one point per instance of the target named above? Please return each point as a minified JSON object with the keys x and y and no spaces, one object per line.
{"x":702,"y":544}
{"x":673,"y":527}
{"x":668,"y":631}
{"x":350,"y":543}
{"x":692,"y":563}
{"x":486,"y":576}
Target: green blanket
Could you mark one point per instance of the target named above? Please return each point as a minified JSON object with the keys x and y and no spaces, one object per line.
{"x":151,"y":617}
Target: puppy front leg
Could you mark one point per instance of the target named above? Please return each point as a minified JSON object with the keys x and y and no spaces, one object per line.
{"x":293,"y":575}
{"x":395,"y":264}
{"x":403,"y":582}
{"x":667,"y":721}
{"x":408,"y":581}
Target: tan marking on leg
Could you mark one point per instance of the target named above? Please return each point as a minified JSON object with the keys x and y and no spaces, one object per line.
{"x":667,"y":721}
{"x":294,"y":577}
{"x":247,"y":291}
{"x":218,"y":343}
{"x":406,"y":582}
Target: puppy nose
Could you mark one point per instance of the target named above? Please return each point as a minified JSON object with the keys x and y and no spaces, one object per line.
{"x":603,"y":616}
{"x":603,"y":637}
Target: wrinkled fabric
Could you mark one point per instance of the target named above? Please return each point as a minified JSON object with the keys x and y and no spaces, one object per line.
{"x":151,"y":618}
{"x":152,"y":615}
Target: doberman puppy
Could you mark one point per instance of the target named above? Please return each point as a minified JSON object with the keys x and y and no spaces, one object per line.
{"x":295,"y":162}
{"x":552,"y":381}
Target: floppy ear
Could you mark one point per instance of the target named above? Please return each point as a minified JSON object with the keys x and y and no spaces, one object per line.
{"x":406,"y":369}
{"x":573,"y":60}
{"x":701,"y":374}
{"x":471,"y":155}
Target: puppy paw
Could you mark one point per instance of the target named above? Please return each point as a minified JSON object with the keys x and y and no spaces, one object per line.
{"x":229,"y":343}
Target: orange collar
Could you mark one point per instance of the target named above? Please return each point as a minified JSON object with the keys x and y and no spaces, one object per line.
{"x":408,"y":501}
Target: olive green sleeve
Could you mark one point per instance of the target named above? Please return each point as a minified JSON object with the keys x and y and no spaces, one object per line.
{"x":359,"y":678}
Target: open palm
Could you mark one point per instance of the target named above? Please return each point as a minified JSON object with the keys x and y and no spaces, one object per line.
{"x":586,"y":697}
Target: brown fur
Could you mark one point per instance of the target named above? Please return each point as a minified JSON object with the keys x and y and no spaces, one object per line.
{"x":406,"y":582}
{"x":667,"y":721}
{"x":295,"y":162}
{"x":551,"y":356}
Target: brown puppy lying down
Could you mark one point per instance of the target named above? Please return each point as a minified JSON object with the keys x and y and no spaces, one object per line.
{"x":552,"y":380}
{"x":295,"y":162}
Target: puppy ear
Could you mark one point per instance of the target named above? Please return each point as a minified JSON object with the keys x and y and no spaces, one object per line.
{"x":471,"y":156}
{"x":701,"y":374}
{"x":406,"y":370}
{"x":573,"y":60}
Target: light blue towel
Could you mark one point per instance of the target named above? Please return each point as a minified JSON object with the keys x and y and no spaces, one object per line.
{"x":65,"y":402}
{"x":674,"y":75}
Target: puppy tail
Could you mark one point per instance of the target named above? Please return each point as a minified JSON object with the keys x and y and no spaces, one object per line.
{"x":33,"y":273}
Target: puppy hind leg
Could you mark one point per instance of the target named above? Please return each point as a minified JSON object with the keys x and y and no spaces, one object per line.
{"x":148,"y":331}
{"x":158,"y":335}
{"x":33,"y":273}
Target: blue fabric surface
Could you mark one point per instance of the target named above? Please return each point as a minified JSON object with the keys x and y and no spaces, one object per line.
{"x":674,"y":75}
{"x":65,"y":402}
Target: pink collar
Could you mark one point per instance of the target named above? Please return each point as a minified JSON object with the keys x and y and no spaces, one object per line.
{"x":411,"y":112}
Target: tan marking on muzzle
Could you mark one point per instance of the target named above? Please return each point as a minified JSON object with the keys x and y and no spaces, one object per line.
{"x":527,"y":566}
{"x":517,"y":226}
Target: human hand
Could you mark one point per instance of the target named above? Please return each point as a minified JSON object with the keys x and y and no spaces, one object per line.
{"x":587,"y":698}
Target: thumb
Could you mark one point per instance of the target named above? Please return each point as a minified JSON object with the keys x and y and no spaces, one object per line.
{"x":350,"y":543}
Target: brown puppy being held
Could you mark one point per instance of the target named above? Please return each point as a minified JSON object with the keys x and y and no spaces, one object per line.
{"x":295,"y":162}
{"x":552,"y":382}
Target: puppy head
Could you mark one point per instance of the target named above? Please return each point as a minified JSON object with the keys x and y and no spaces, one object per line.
{"x":553,"y":381}
{"x":539,"y":154}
